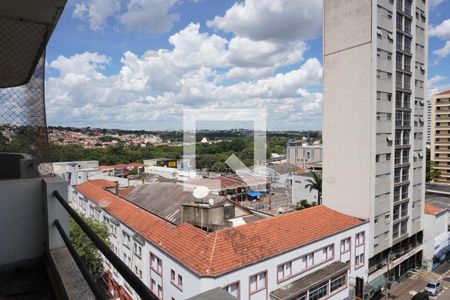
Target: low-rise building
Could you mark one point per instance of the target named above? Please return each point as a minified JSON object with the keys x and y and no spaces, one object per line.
{"x":300,"y":188}
{"x":122,"y":170}
{"x":436,"y":235}
{"x":161,"y":162}
{"x":308,"y":254}
{"x":304,"y":155}
{"x":174,"y":202}
{"x":76,"y":172}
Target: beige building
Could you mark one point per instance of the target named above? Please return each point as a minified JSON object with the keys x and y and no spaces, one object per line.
{"x":304,"y":155}
{"x":375,"y":62}
{"x":440,"y":136}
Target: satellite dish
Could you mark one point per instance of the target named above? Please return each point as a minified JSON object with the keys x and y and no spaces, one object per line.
{"x":200,"y":192}
{"x":211,"y":201}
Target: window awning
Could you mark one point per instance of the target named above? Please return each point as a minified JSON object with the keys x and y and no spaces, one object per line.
{"x":295,"y":288}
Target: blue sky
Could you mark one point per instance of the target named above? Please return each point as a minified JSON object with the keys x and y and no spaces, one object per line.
{"x":138,"y":64}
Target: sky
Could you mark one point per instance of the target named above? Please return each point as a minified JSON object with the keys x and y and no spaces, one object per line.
{"x":139,"y":64}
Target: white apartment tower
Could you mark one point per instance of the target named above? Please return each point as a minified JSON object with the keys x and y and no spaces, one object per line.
{"x":375,"y":62}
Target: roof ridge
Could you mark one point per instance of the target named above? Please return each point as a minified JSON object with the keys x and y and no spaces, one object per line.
{"x":212,"y":252}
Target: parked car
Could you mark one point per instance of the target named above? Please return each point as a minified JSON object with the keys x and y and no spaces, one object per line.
{"x":421,"y":296}
{"x":433,"y":288}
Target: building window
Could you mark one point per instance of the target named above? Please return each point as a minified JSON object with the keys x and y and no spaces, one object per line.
{"x":338,"y":282}
{"x":126,"y":239}
{"x":137,"y":250}
{"x":319,"y":292}
{"x":160,"y":294}
{"x":155,"y":263}
{"x":345,"y":245}
{"x":172,"y":276}
{"x":152,"y":284}
{"x":180,"y":282}
{"x":359,"y":239}
{"x":284,"y":271}
{"x":258,"y":282}
{"x":233,"y":289}
{"x":328,"y":252}
{"x":359,"y":261}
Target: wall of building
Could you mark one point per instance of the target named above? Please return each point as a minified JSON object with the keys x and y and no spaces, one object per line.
{"x":300,"y":191}
{"x":349,"y":112}
{"x":436,"y":235}
{"x":193,"y":284}
{"x":25,"y":202}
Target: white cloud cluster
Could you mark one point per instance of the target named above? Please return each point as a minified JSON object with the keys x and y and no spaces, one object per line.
{"x":437,"y":84}
{"x":442,"y":31}
{"x":96,"y":12}
{"x":280,"y":20}
{"x":201,"y":70}
{"x":149,"y":16}
{"x":152,"y":16}
{"x":435,"y":3}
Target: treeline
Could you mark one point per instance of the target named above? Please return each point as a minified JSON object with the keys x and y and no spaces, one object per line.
{"x":209,"y":156}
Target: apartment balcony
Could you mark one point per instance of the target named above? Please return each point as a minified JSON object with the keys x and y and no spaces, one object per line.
{"x":37,"y":258}
{"x":442,"y":102}
{"x":36,"y":251}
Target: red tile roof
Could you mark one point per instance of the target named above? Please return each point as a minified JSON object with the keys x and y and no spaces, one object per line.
{"x":125,"y":191}
{"x":214,"y":183}
{"x":122,"y":166}
{"x":443,"y":93}
{"x":432,"y":210}
{"x":103,"y":183}
{"x":300,"y":171}
{"x":227,"y":249}
{"x":136,"y":165}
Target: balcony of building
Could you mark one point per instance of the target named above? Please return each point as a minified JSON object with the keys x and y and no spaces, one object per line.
{"x":408,"y":249}
{"x":37,"y":258}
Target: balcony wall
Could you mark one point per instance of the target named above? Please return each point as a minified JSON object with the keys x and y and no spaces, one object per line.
{"x":22,"y":226}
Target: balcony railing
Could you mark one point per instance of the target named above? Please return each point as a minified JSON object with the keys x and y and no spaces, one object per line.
{"x":137,"y":285}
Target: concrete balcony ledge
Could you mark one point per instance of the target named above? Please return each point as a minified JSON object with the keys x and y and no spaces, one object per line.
{"x":68,"y":281}
{"x":33,"y":255}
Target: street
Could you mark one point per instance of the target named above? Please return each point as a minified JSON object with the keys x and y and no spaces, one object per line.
{"x":408,"y":287}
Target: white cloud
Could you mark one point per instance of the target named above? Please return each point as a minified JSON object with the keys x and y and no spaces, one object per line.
{"x":248,"y":53}
{"x":444,"y":51}
{"x":279,"y":20}
{"x":96,"y":12}
{"x":151,"y":16}
{"x":437,"y":84}
{"x":435,"y":3}
{"x":200,"y":70}
{"x":442,"y":30}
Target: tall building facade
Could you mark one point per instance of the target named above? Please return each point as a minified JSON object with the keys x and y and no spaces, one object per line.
{"x":428,"y":121}
{"x":440,"y":136}
{"x":375,"y":62}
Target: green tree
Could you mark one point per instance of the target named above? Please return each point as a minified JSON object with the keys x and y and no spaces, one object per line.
{"x":218,"y":166}
{"x":431,"y":172}
{"x":302,"y":204}
{"x":90,"y":255}
{"x":315,"y":183}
